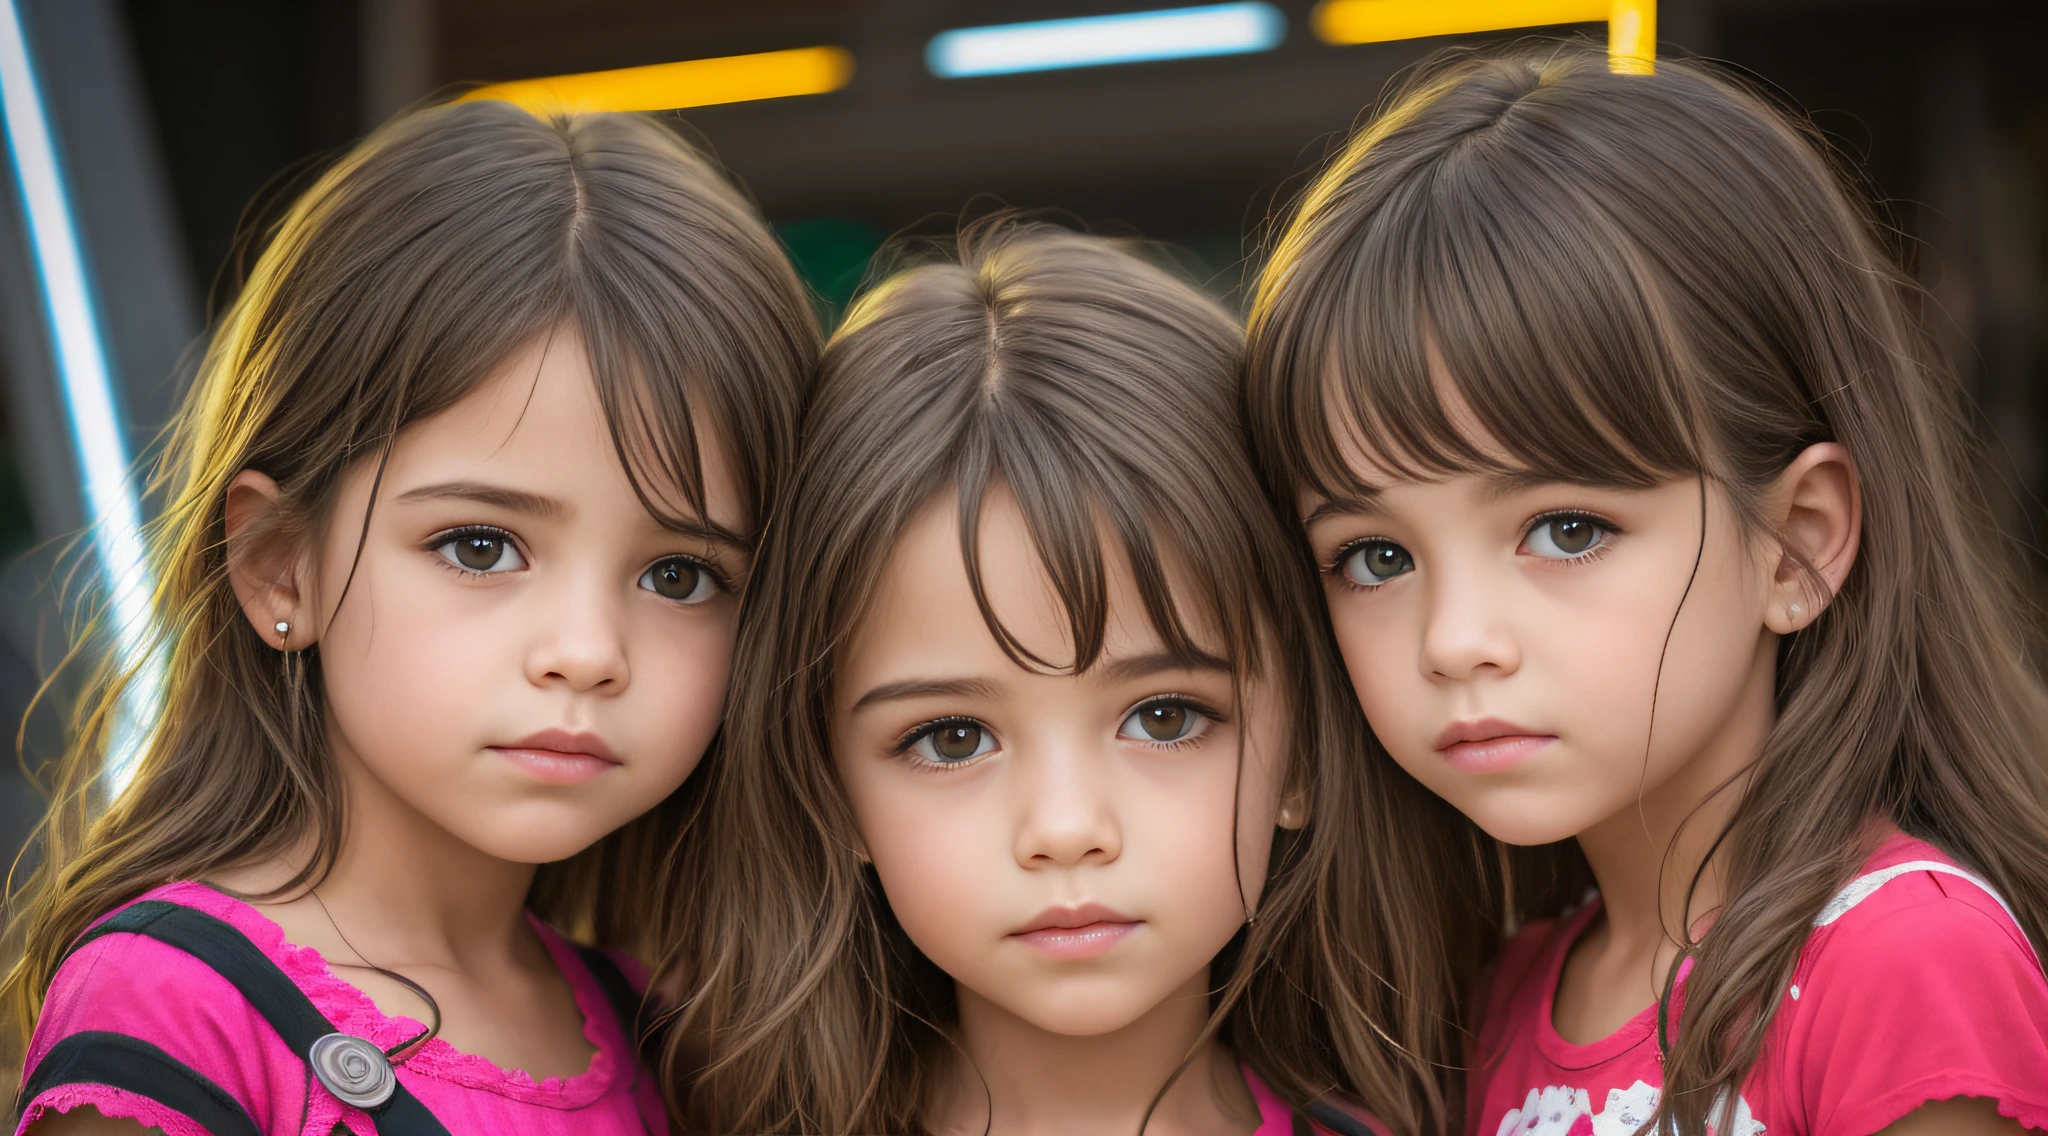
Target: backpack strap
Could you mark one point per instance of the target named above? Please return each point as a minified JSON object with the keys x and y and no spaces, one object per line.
{"x":1333,"y":1119}
{"x":118,"y":1061}
{"x":1860,"y":888}
{"x":629,"y":1008}
{"x":269,"y":991}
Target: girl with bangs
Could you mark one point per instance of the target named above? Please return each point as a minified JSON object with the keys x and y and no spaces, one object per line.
{"x":1053,"y":811}
{"x":1652,"y":542}
{"x":453,"y":523}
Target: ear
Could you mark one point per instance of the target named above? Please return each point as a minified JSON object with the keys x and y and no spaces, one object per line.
{"x":266,"y":572}
{"x":1816,"y":508}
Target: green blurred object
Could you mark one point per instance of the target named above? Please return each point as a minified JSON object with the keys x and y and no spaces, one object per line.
{"x":831,"y":254}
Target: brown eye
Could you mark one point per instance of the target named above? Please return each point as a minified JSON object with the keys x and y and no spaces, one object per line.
{"x":952,"y":742}
{"x":1163,"y":721}
{"x":680,"y":579}
{"x":957,"y":743}
{"x":482,"y":551}
{"x":1565,"y":536}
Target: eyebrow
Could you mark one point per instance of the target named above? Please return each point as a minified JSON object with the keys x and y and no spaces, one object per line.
{"x":1118,"y":670}
{"x":516,"y":500}
{"x":1332,"y":506}
{"x":538,"y":505}
{"x":1498,"y":484}
{"x":926,"y":688}
{"x":1158,"y":662}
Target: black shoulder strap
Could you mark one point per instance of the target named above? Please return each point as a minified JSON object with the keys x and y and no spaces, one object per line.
{"x":628,"y":1008}
{"x":269,"y":991}
{"x":1337,"y":1120}
{"x":123,"y":1062}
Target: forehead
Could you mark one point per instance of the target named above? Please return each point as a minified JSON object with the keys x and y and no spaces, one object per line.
{"x":537,"y":418}
{"x":925,"y":595}
{"x":1363,"y":439}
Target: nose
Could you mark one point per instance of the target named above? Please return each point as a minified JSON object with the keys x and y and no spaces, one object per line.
{"x":1067,"y":819}
{"x":1466,"y":632}
{"x":581,"y":642}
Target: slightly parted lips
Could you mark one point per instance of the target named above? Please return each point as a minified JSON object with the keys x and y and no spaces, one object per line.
{"x":563,"y":741}
{"x":1482,"y":730}
{"x":1063,"y":918}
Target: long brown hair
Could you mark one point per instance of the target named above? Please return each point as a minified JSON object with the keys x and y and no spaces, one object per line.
{"x":1100,"y":389}
{"x":1633,"y":278}
{"x":442,"y":243}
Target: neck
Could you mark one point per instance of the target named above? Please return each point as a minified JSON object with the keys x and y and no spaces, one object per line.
{"x":1646,"y":857}
{"x":1043,"y":1082}
{"x":415,"y":890}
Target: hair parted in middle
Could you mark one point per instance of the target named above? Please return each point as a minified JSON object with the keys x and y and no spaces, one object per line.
{"x":1099,"y":389}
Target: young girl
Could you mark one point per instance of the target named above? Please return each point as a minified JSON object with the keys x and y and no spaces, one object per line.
{"x":456,"y":513}
{"x":1053,"y":813}
{"x":1648,"y":524}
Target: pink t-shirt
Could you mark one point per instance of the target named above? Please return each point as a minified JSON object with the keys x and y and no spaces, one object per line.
{"x":1276,"y":1119}
{"x":1916,"y":985}
{"x":134,"y":985}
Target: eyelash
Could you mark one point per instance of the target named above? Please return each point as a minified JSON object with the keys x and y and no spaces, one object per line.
{"x":1215,"y":717}
{"x":441,"y":538}
{"x":1334,"y":567}
{"x":925,"y":729}
{"x":1587,"y":557}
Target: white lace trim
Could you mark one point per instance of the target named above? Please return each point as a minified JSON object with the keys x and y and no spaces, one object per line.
{"x":1861,"y":887}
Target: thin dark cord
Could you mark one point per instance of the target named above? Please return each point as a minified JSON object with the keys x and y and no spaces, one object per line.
{"x":433,"y":1007}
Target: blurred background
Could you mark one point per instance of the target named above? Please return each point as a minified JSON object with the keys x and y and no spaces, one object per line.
{"x":179,"y":122}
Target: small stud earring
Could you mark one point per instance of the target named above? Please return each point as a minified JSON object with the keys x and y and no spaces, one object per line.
{"x":1795,"y":609}
{"x":284,"y":631}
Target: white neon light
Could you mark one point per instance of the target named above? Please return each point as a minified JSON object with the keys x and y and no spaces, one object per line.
{"x":85,"y":376}
{"x":1095,"y":41}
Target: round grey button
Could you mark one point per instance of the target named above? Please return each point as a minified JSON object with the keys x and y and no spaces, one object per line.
{"x":353,"y":1070}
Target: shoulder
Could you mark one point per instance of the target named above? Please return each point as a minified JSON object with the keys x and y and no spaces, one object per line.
{"x":123,"y":981}
{"x":1913,"y":905}
{"x":1918,"y":970}
{"x":127,"y":997}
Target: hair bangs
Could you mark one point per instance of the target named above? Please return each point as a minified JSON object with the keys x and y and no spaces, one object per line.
{"x":1090,"y":514}
{"x":1491,"y":316}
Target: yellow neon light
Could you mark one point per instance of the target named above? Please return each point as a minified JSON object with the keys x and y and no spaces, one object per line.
{"x":696,"y":82}
{"x":1631,"y":24}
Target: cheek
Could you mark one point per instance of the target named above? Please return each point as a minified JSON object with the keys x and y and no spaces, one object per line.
{"x":1707,"y":669}
{"x":681,"y":669}
{"x":937,"y":861}
{"x":1379,"y":653}
{"x":406,"y":676}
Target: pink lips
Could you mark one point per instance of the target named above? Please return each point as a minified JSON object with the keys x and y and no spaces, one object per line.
{"x":1488,"y":745}
{"x":1082,"y":932}
{"x":559,"y":757}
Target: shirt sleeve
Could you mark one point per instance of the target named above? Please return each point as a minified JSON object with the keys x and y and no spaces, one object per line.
{"x":1927,"y":991}
{"x":139,"y":988}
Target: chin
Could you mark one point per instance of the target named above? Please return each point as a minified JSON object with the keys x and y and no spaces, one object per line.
{"x":1089,"y":1011}
{"x":1081,"y":1020}
{"x":528,"y":843}
{"x":1526,"y":828}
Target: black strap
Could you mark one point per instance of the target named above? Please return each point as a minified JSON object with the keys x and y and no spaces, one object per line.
{"x":1338,"y":1121}
{"x":269,"y":990}
{"x":96,"y":1058}
{"x":629,"y":1008}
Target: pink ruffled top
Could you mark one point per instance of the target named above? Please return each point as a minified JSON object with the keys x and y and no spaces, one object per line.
{"x":134,"y":985}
